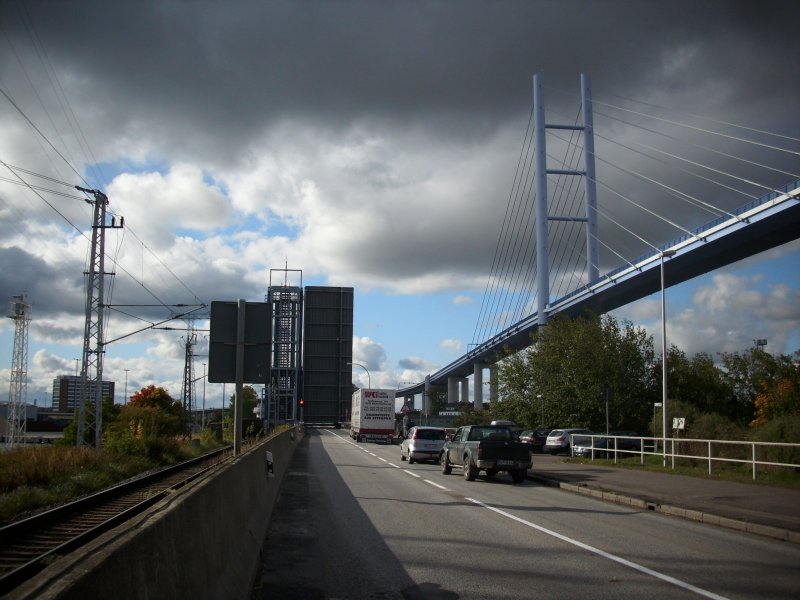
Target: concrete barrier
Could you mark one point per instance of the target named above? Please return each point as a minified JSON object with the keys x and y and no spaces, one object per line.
{"x":203,"y":541}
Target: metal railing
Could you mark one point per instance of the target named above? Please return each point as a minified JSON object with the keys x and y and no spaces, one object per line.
{"x":758,"y":455}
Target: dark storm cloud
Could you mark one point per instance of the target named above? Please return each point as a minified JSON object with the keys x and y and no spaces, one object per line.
{"x":224,"y":71}
{"x":24,"y":273}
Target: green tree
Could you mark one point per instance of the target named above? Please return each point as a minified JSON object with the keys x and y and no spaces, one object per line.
{"x":437,"y":396}
{"x":109,"y":412}
{"x":697,"y":381}
{"x":752,"y":373}
{"x":250,"y":400}
{"x":567,"y":369}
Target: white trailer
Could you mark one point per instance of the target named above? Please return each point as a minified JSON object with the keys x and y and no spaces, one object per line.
{"x":372,"y":416}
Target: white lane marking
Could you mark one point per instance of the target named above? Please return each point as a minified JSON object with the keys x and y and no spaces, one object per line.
{"x":394,"y":465}
{"x":383,"y":459}
{"x":434,"y":484}
{"x":407,"y":472}
{"x":604,"y":554}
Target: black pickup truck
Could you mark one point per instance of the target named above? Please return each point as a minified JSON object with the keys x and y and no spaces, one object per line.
{"x":490,"y":448}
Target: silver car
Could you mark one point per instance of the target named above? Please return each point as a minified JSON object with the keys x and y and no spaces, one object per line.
{"x":559,"y":439}
{"x":423,"y":443}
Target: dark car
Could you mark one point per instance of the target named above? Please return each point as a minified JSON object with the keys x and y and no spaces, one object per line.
{"x":535,"y":438}
{"x":604,"y":447}
{"x":626,"y":440}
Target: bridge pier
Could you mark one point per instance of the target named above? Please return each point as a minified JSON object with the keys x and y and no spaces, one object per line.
{"x":426,"y":397}
{"x":452,"y":390}
{"x":464,"y":397}
{"x":477,"y":392}
{"x":493,"y":384}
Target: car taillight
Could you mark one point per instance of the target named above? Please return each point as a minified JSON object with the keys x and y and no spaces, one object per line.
{"x":413,"y":437}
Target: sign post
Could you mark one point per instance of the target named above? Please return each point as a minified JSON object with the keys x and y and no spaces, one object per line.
{"x":239,"y":351}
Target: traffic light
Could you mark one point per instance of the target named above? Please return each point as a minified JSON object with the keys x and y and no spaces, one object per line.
{"x":302,"y":402}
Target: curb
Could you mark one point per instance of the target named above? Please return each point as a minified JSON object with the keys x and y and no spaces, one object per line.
{"x":674,"y":511}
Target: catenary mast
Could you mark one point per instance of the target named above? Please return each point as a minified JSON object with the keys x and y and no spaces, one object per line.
{"x":18,"y":389}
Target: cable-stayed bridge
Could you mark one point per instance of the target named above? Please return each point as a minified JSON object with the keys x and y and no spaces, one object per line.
{"x":517,"y":286}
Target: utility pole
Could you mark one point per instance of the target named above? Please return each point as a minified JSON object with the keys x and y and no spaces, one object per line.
{"x":18,"y":390}
{"x":90,"y":399}
{"x":187,"y":392}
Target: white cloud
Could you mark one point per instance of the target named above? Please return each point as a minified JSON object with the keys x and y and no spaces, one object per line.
{"x":452,"y":345}
{"x":460,"y":299}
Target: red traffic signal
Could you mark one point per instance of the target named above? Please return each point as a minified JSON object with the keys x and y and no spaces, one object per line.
{"x":302,"y":402}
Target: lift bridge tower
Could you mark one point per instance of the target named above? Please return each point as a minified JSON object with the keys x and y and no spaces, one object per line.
{"x":18,"y":390}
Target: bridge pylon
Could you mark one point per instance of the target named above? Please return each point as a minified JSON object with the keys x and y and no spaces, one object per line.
{"x":540,"y":177}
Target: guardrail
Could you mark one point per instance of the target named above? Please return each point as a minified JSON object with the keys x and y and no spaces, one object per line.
{"x":759,"y":455}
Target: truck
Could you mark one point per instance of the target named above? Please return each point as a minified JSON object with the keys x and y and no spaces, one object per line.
{"x":372,"y":416}
{"x":490,"y":448}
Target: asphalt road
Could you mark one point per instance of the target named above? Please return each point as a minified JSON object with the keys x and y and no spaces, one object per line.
{"x":354,"y":522}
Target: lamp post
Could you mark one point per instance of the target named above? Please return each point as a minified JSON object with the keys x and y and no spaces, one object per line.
{"x":204,"y":397}
{"x":665,"y":253}
{"x":655,"y":406}
{"x":369,"y":383}
{"x":540,"y":397}
{"x":126,"y":386}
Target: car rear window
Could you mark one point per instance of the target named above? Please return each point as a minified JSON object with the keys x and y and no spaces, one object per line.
{"x":430,"y":434}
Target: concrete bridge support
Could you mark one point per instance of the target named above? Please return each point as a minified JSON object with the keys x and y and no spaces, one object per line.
{"x":452,"y":390}
{"x":477,"y":392}
{"x":426,"y":397}
{"x":493,"y":384}
{"x":464,"y":390}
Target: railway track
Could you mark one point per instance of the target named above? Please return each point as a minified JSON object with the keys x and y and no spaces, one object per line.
{"x":29,"y":545}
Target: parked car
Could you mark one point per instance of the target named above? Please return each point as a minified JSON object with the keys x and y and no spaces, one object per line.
{"x":627,"y":444}
{"x":535,"y":438}
{"x":604,"y":446}
{"x":422,"y":443}
{"x":559,"y":439}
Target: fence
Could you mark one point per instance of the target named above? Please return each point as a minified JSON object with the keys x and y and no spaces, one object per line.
{"x":758,"y":455}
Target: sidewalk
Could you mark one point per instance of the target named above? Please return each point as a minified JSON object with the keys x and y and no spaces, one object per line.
{"x":760,"y":509}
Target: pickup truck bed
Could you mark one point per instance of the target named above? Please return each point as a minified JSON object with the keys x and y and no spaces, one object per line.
{"x":489,"y":448}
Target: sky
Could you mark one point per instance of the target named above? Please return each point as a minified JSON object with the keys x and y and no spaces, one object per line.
{"x":373,"y":145}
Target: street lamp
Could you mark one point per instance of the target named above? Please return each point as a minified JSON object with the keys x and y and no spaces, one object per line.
{"x":125,"y":401}
{"x":542,"y":399}
{"x":665,"y":253}
{"x":655,"y":406}
{"x":369,"y":383}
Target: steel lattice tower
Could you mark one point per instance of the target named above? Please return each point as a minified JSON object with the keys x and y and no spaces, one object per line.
{"x":90,"y":406}
{"x":18,"y":389}
{"x":187,"y":390}
{"x":287,"y":310}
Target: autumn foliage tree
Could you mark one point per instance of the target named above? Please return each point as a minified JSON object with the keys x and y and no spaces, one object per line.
{"x":782,"y":399}
{"x":147,"y":425}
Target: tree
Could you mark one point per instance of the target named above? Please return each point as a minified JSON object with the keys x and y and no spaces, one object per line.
{"x":147,"y":424}
{"x":698,"y":381}
{"x":156,"y":397}
{"x":250,"y":400}
{"x":108,"y":410}
{"x":752,"y":373}
{"x":782,"y":399}
{"x":567,"y":369}
{"x":437,"y":396}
